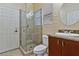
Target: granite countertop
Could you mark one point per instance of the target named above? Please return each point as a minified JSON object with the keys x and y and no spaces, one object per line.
{"x":74,"y":38}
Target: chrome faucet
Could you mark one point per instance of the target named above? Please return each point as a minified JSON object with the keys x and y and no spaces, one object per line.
{"x":70,"y":31}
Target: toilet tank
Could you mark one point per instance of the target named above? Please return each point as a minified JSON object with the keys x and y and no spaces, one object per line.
{"x":45,"y":40}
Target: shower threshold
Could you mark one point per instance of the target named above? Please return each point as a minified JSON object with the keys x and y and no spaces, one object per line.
{"x":28,"y":53}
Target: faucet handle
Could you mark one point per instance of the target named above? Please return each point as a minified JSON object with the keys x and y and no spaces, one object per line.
{"x":70,"y":31}
{"x":65,"y":31}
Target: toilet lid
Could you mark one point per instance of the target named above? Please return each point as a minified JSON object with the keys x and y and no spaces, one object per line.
{"x":40,"y":47}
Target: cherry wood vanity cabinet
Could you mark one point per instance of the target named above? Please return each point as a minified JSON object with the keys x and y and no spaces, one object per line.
{"x":70,"y":48}
{"x":54,"y":46}
{"x":63,"y":47}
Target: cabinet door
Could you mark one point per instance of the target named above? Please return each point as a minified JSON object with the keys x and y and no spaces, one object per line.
{"x":54,"y":46}
{"x":70,"y":48}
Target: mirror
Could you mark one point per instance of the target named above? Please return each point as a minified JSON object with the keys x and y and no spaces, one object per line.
{"x":69,"y":13}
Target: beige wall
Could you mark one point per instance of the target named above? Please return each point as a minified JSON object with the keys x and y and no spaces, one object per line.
{"x":13,"y":5}
{"x":37,"y":6}
{"x":56,"y":22}
{"x":46,"y":28}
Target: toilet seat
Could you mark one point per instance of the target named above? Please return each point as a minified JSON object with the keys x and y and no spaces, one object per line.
{"x":40,"y":48}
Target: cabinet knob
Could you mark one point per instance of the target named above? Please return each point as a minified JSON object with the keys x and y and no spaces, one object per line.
{"x":62,"y":44}
{"x":58,"y":42}
{"x":16,"y":30}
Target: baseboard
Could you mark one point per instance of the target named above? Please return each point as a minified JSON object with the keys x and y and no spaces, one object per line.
{"x":9,"y":50}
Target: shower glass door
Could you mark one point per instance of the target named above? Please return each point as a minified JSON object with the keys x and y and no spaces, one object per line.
{"x":31,"y":32}
{"x":38,"y":26}
{"x":23,"y":28}
{"x":27,"y":28}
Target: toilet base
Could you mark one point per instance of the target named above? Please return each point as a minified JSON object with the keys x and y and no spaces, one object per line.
{"x":45,"y":54}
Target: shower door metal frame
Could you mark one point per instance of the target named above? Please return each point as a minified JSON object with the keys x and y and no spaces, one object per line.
{"x":20,"y":12}
{"x":41,"y":21}
{"x":20,"y":44}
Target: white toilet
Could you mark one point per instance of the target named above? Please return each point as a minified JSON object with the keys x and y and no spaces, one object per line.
{"x":40,"y":50}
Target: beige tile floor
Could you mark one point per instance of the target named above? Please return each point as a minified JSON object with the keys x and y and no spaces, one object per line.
{"x":15,"y":52}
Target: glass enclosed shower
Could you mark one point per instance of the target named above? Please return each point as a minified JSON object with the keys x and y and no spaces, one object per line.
{"x":30,"y":29}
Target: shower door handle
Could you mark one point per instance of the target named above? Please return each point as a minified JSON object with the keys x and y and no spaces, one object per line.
{"x":16,"y":30}
{"x":27,"y":26}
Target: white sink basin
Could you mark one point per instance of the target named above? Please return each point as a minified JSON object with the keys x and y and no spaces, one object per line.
{"x":67,"y":34}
